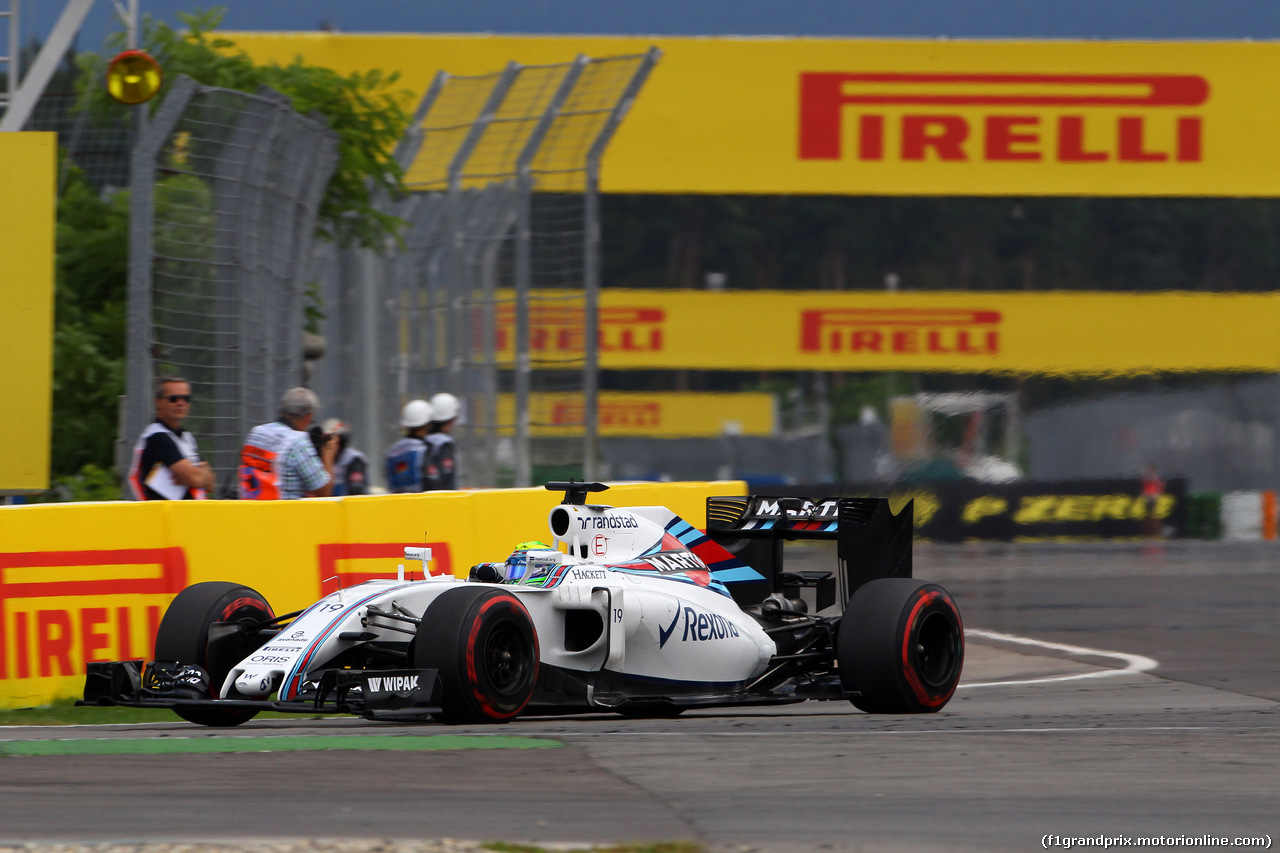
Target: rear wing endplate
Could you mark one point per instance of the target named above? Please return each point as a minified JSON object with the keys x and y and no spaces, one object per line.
{"x":871,"y":541}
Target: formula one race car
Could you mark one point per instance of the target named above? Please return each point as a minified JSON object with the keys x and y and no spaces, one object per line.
{"x":628,"y":610}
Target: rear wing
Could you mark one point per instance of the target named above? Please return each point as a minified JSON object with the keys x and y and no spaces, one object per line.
{"x":871,"y":542}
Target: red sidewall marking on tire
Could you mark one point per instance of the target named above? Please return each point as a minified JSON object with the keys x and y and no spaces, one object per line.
{"x":917,"y":687}
{"x":215,"y":689}
{"x":473,"y":677}
{"x":244,"y":602}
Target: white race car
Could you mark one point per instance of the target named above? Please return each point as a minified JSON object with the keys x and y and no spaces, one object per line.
{"x":631,"y":610}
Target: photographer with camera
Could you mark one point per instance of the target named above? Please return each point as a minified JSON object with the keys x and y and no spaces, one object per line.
{"x":282,"y":460}
{"x":351,"y":468}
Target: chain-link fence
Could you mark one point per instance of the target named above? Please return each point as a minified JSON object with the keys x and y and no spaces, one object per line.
{"x":502,"y":226}
{"x":10,"y":66}
{"x":95,"y":143}
{"x":226,"y":189}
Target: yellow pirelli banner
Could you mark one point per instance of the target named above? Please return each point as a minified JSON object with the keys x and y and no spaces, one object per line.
{"x":1059,"y":332}
{"x":895,"y":117}
{"x":91,"y":582}
{"x":673,"y":414}
{"x":28,"y":188}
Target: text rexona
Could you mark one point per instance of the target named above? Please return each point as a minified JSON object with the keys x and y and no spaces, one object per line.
{"x":699,"y":627}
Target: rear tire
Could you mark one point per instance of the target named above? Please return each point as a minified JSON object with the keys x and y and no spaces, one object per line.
{"x":183,"y":636}
{"x":900,"y":646}
{"x":482,"y":643}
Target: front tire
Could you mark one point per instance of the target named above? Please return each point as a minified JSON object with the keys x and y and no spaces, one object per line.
{"x":900,"y":647}
{"x":482,"y":643}
{"x":183,"y":636}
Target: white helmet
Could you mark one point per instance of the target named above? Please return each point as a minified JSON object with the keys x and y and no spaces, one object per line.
{"x":416,"y":413}
{"x":333,"y":426}
{"x":444,"y":407}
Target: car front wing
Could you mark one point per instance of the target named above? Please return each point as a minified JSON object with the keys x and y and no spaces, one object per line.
{"x":368,"y":693}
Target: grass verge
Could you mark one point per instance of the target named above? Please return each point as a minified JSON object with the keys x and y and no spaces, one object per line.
{"x":64,"y":713}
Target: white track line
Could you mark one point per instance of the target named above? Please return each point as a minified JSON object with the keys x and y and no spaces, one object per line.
{"x":1132,"y":663}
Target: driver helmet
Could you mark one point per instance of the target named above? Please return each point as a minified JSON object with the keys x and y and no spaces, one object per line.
{"x":519,"y":560}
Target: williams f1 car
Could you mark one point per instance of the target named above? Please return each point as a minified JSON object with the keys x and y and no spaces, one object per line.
{"x":629,"y":610}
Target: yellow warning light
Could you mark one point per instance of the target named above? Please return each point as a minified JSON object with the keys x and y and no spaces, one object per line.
{"x":133,"y":77}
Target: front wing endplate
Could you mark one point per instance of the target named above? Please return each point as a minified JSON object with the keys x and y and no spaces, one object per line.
{"x":364,"y":692}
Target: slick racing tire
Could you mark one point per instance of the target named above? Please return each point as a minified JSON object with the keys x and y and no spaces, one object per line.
{"x":482,"y":643}
{"x":900,"y":647}
{"x":183,"y":636}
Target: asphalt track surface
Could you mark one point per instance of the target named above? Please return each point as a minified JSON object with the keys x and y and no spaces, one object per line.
{"x":1123,"y":690}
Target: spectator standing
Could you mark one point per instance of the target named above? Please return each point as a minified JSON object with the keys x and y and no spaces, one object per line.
{"x":279,"y":460}
{"x":408,"y":461}
{"x":166,"y":462}
{"x":445,"y":409}
{"x":351,"y":467}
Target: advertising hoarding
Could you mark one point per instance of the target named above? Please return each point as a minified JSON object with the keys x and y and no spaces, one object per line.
{"x":28,"y":187}
{"x":1065,"y":333}
{"x":893,"y":117}
{"x":651,"y":414}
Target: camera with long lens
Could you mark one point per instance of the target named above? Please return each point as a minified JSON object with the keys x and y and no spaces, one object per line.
{"x":318,"y":437}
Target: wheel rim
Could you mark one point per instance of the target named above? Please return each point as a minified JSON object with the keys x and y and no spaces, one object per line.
{"x":936,"y":649}
{"x":506,"y":657}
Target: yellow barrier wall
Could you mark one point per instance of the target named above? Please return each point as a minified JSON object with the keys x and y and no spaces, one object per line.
{"x":90,"y":582}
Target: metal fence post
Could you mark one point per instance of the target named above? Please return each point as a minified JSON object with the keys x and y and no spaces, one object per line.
{"x":142,"y":162}
{"x":498,"y":239}
{"x":525,"y":190}
{"x":591,"y":264}
{"x":411,"y":143}
{"x":459,"y":322}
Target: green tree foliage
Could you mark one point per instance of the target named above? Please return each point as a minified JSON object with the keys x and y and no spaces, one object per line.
{"x":364,"y":109}
{"x":89,"y":334}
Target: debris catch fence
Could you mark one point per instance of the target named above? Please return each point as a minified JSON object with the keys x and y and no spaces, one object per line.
{"x":502,"y":225}
{"x":226,"y":187}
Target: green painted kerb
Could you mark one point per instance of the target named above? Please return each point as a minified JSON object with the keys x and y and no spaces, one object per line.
{"x":169,"y":745}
